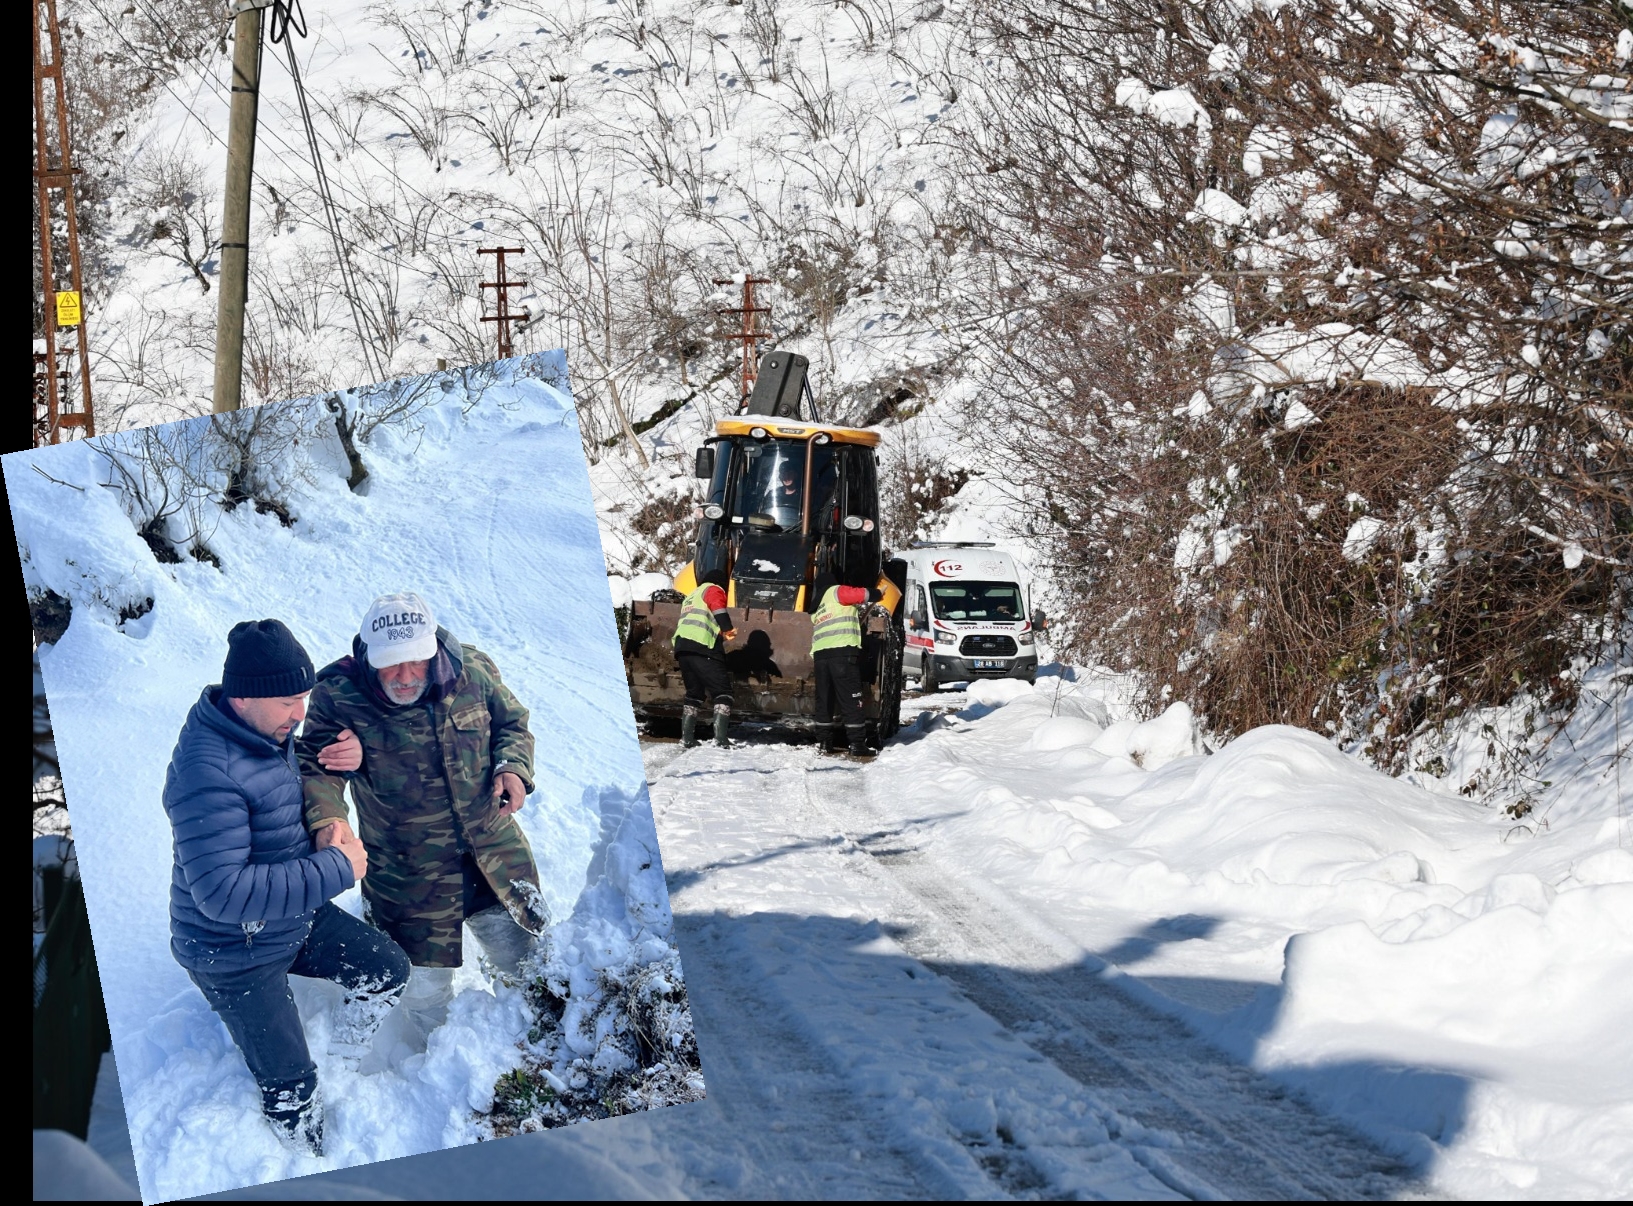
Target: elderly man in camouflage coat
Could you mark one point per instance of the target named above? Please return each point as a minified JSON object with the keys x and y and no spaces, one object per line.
{"x":439,"y":757}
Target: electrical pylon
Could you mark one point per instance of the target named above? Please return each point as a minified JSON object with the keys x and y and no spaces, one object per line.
{"x":61,"y":308}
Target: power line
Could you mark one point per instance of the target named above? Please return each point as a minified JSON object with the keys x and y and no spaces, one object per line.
{"x":206,"y":78}
{"x":159,"y":21}
{"x":353,"y":197}
{"x":348,"y":283}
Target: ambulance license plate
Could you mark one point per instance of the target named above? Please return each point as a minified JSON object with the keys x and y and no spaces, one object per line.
{"x":985,"y":663}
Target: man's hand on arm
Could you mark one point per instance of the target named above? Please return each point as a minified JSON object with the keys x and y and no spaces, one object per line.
{"x":333,"y":832}
{"x":343,"y":755}
{"x":339,"y":833}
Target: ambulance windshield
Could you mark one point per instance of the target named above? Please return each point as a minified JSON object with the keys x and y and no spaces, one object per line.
{"x":989,"y":602}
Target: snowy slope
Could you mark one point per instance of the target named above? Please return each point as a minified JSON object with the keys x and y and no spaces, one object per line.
{"x":637,"y":151}
{"x":485,"y":511}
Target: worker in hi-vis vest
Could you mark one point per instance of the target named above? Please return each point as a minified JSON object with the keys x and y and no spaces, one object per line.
{"x":700,"y":640}
{"x":836,"y":648}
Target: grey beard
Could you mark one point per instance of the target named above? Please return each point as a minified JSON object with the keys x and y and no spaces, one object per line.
{"x":392,"y":693}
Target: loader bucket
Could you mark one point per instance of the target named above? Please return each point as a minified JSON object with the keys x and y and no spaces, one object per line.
{"x":770,"y":662}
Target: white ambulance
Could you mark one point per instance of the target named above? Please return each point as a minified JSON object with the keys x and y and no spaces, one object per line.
{"x":969,"y":615}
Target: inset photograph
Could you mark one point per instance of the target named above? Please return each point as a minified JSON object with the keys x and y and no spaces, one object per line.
{"x":355,"y":789}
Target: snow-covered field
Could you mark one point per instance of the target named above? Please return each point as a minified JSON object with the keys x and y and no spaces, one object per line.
{"x":482,"y":506}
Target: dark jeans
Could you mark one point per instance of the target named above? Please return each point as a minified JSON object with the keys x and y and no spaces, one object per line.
{"x":706,"y":678}
{"x":259,"y":1010}
{"x":839,"y":688}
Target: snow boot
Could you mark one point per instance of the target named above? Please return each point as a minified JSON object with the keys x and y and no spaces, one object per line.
{"x":857,"y":747}
{"x":688,"y":726}
{"x":722,"y":721}
{"x":425,"y":1002}
{"x":297,"y":1120}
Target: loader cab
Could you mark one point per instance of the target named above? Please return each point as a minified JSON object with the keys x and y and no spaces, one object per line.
{"x":784,"y":503}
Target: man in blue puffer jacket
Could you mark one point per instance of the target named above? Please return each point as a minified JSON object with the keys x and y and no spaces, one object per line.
{"x":249,"y":896}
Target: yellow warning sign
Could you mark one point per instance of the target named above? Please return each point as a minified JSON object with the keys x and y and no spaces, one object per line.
{"x":68,"y":309}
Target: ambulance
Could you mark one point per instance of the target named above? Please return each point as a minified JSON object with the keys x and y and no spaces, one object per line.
{"x":967,"y":615}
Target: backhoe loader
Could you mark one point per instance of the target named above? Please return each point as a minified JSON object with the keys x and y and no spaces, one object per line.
{"x":787,"y":499}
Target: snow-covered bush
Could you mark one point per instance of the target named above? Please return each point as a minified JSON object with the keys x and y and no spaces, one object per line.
{"x":1322,"y":372}
{"x":617,"y":1040}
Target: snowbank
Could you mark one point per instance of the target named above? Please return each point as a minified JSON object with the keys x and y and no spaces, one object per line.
{"x":1457,"y":990}
{"x":485,"y":510}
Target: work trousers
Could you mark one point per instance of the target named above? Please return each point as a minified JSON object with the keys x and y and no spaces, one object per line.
{"x":706,"y":679}
{"x":839,"y":687}
{"x":259,"y":1010}
{"x":503,"y":941}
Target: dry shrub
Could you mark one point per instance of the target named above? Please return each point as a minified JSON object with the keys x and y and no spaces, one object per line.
{"x":1430,"y":203}
{"x":666,"y":524}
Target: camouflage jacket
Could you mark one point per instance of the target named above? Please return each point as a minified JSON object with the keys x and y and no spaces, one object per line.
{"x":424,"y":793}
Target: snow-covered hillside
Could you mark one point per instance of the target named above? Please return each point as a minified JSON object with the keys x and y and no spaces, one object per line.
{"x":480,"y":505}
{"x":637,"y":150}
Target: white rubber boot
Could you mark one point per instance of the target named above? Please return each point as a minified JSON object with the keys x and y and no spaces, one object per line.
{"x":503,"y":941}
{"x":425,"y":1002}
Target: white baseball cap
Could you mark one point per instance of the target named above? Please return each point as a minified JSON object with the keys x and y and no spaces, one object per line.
{"x":399,"y":628}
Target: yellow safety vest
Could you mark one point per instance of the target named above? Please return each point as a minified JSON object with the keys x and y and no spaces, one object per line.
{"x":696,"y":620}
{"x":835,"y":625}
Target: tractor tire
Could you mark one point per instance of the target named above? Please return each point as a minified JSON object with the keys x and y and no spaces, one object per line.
{"x":889,"y":687}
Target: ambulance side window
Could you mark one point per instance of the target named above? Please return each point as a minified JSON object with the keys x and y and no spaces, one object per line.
{"x":921,"y":613}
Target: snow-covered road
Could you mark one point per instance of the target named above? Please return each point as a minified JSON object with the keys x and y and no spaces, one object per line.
{"x":994,"y":1061}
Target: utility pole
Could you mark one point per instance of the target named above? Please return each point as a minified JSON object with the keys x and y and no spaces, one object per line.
{"x":751,"y":332}
{"x":246,"y":88}
{"x":502,"y":285}
{"x":54,"y":171}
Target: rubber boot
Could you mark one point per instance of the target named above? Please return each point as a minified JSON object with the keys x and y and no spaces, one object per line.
{"x":722,"y":721}
{"x":425,"y":1002}
{"x":356,"y":1021}
{"x":504,"y":942}
{"x":688,"y":726}
{"x":857,"y":738}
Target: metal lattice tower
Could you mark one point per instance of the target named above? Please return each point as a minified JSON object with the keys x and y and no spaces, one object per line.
{"x":61,"y":373}
{"x":502,"y":285}
{"x":751,"y":332}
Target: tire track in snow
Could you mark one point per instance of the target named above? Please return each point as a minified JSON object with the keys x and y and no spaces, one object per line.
{"x":820,"y":1144}
{"x":1221,"y":1129}
{"x":945,"y":1090}
{"x":821,"y":1141}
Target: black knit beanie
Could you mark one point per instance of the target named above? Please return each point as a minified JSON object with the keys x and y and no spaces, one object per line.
{"x":265,"y":661}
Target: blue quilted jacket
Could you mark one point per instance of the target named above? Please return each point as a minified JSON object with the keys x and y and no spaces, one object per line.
{"x":245,"y":880}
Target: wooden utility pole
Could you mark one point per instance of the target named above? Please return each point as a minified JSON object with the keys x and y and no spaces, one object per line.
{"x":246,"y":88}
{"x":751,"y":332}
{"x":502,"y":285}
{"x":54,"y":171}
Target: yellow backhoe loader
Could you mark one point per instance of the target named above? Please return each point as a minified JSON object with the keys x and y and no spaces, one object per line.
{"x":788,"y":498}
